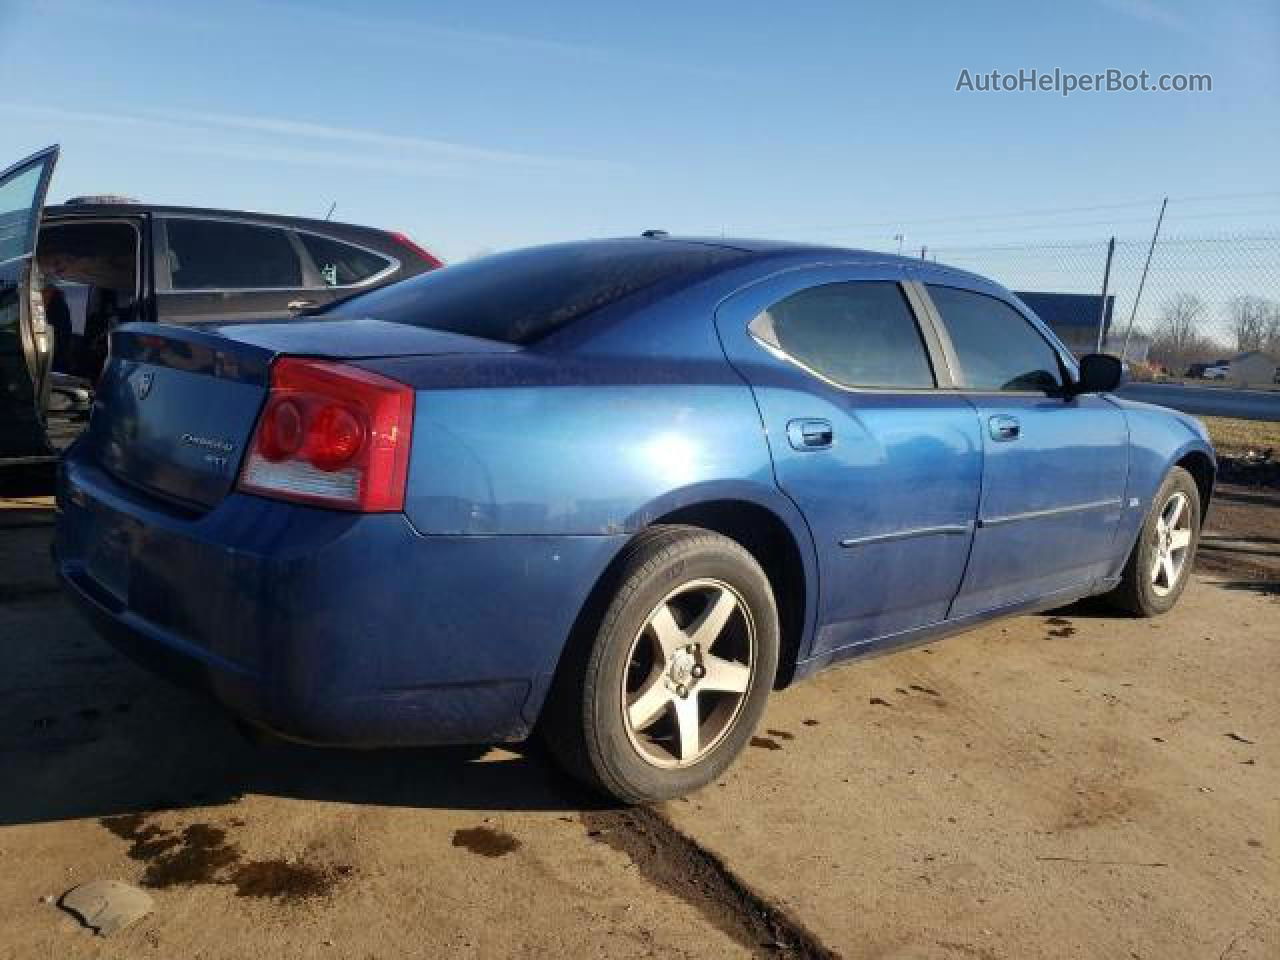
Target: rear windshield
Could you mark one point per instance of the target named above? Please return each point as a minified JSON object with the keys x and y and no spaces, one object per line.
{"x":523,"y":296}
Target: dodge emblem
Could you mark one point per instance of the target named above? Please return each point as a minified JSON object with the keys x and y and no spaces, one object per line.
{"x":142,"y":386}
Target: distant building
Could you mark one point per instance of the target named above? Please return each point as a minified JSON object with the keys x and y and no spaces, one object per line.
{"x":1252,"y":369}
{"x":1073,"y":317}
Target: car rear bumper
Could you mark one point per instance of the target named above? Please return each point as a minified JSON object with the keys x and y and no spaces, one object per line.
{"x":322,"y":626}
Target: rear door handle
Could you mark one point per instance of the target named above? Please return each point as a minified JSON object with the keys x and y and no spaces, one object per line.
{"x":810,"y":434}
{"x":300,"y":304}
{"x":1004,"y":427}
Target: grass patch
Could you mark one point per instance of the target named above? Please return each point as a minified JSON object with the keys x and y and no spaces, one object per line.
{"x":1233,"y":436}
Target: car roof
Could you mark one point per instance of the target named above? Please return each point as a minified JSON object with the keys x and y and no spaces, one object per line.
{"x":799,"y":251}
{"x":139,"y":209}
{"x":763,"y":246}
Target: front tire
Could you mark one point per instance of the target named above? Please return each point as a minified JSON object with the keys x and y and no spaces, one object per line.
{"x":1160,"y":564}
{"x":661,"y":697}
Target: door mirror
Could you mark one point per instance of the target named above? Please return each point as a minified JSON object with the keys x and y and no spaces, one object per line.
{"x":1100,"y":373}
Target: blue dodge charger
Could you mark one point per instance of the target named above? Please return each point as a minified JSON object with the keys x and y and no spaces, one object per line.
{"x":612,"y":492}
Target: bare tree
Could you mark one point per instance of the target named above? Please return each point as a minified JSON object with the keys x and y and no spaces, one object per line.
{"x":1179,"y":339}
{"x":1255,"y":323}
{"x":1271,"y":330}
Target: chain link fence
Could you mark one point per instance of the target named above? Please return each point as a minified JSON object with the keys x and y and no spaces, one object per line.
{"x":1205,"y":299}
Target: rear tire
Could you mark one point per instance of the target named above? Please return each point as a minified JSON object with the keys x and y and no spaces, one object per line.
{"x":662,"y":692}
{"x":1159,"y":565}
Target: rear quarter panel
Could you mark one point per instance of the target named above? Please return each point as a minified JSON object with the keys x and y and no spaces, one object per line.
{"x":625,"y":419}
{"x":597,"y":431}
{"x":527,"y":445}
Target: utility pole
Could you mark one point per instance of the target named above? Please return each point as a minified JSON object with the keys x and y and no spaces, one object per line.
{"x":924,"y":252}
{"x":1143,"y":282}
{"x":899,"y":237}
{"x":1106,"y":282}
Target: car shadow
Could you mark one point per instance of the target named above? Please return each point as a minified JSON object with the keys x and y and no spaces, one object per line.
{"x":1262,"y":498}
{"x":86,"y":733}
{"x":1267,"y":588}
{"x":158,"y":749}
{"x":1090,"y":608}
{"x":1225,"y":541}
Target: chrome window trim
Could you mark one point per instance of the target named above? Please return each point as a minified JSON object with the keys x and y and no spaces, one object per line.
{"x":937,"y":344}
{"x":393,"y":263}
{"x":925,"y":308}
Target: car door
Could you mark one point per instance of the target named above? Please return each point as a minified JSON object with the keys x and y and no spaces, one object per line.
{"x":211,"y":268}
{"x":1054,"y":469}
{"x":884,"y":466}
{"x":26,"y":348}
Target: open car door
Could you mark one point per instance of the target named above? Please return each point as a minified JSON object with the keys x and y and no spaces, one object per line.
{"x":26,"y":347}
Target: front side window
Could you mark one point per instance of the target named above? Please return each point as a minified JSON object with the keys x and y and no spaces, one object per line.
{"x":859,"y":334}
{"x":224,"y":255}
{"x":995,"y":345}
{"x":340,"y":264}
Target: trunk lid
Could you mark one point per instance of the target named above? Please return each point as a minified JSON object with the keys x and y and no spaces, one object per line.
{"x":176,"y":406}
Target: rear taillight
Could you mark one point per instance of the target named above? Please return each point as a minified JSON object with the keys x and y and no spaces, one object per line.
{"x":332,"y":435}
{"x":413,"y":248}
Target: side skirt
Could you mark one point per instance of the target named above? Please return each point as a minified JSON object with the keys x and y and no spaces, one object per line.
{"x":945,"y":628}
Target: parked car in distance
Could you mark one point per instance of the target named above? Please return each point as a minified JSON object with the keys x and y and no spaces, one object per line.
{"x":613,"y":492}
{"x":72,"y":273}
{"x":1216,"y":372}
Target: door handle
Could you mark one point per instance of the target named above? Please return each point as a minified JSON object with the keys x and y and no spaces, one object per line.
{"x":810,"y":434}
{"x":1004,"y":427}
{"x":300,"y":304}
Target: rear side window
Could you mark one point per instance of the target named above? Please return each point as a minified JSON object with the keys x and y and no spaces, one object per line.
{"x":523,"y":296}
{"x":341,"y":264}
{"x":223,"y":255}
{"x":859,"y":334}
{"x":997,"y":348}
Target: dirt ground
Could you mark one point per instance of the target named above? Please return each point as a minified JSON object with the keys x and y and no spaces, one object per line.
{"x":1066,"y":785}
{"x":1243,"y":534}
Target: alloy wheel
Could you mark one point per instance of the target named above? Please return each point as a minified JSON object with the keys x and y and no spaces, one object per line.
{"x":689,"y":670}
{"x":1172,"y":544}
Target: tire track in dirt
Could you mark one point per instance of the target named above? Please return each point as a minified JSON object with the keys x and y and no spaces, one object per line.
{"x":678,"y":865}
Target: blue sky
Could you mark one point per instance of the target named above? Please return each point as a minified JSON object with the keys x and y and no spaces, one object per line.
{"x":486,"y":126}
